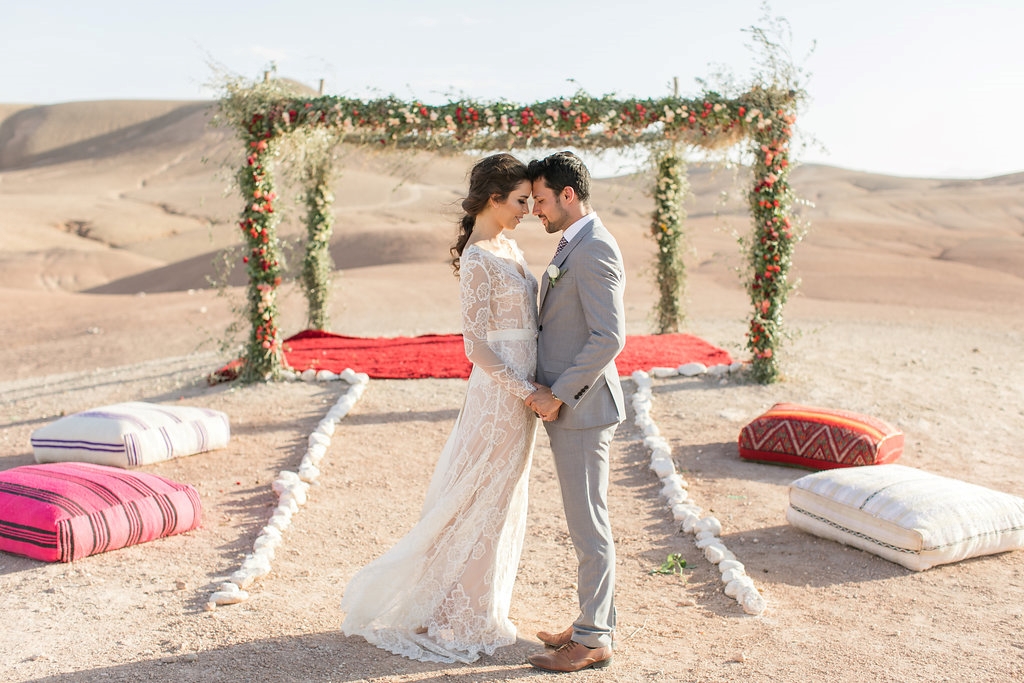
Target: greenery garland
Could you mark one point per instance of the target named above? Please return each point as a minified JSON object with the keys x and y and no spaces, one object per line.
{"x":258,"y":222}
{"x":318,"y":265}
{"x":770,"y":248}
{"x":583,"y":121}
{"x":670,"y":188}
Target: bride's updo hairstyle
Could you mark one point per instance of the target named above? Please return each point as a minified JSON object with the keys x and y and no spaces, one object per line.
{"x":494,"y":177}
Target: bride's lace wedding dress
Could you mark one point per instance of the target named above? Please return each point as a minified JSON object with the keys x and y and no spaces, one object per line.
{"x":443,"y":592}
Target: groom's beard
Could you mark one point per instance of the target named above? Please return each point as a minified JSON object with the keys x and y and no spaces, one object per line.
{"x":559,"y":224}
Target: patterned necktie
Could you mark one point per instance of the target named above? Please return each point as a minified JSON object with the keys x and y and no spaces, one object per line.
{"x":562,"y":244}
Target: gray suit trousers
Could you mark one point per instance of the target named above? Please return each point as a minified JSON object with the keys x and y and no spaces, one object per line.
{"x":582,"y":464}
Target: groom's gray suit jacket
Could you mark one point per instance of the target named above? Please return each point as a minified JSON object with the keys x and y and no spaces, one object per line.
{"x":582,"y":330}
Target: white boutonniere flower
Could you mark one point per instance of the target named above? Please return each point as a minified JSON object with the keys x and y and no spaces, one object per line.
{"x":554,"y":274}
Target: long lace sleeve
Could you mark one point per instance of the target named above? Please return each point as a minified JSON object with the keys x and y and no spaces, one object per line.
{"x":476,"y":285}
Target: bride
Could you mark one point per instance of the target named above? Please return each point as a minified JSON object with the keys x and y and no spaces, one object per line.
{"x":443,"y":592}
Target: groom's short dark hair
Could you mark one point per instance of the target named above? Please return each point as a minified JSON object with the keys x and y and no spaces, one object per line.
{"x":561,"y":170}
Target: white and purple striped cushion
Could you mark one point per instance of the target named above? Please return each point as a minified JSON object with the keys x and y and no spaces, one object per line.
{"x":61,"y":512}
{"x":131,"y":434}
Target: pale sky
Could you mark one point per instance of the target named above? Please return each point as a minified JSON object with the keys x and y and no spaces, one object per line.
{"x":905,"y":87}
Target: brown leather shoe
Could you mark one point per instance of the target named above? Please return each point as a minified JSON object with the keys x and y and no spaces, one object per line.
{"x":572,"y":657}
{"x":555,"y":639}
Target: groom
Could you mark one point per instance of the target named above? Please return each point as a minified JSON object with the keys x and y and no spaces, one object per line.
{"x":581,"y":331}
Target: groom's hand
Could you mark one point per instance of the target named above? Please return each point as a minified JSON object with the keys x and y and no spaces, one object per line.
{"x":544,"y":403}
{"x":553,"y":415}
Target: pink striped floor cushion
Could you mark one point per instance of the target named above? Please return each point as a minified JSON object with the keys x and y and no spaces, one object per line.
{"x":819,"y":438}
{"x":66,"y":511}
{"x":131,"y":434}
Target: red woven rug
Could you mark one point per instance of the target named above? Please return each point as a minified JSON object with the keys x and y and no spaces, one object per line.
{"x":443,"y":355}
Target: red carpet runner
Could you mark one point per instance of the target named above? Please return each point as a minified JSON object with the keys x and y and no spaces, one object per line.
{"x":443,"y":355}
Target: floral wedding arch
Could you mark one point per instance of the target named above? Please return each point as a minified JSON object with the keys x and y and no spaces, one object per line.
{"x":267,"y":118}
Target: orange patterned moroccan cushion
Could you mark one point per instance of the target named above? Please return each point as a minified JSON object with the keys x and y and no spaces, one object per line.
{"x":819,"y":438}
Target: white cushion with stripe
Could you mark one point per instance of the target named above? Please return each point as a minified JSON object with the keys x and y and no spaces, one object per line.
{"x":131,"y":434}
{"x":906,"y":515}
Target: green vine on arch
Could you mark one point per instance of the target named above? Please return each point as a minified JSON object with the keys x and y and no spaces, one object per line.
{"x":264,"y":355}
{"x":670,"y":188}
{"x":770,"y":248}
{"x":318,"y":265}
